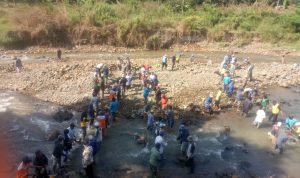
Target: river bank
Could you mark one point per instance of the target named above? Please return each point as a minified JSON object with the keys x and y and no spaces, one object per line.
{"x":69,"y":82}
{"x":254,"y":48}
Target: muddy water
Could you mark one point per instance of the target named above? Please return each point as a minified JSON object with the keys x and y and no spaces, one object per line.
{"x":25,"y":122}
{"x":246,"y":151}
{"x":200,"y":56}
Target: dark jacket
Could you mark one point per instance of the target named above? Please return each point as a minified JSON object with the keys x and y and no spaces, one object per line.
{"x":183,"y":135}
{"x":42,"y":161}
{"x":58,"y":149}
{"x":67,"y":143}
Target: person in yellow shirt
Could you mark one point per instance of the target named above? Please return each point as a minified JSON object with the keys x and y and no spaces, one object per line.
{"x":83,"y":123}
{"x":275,"y":110}
{"x":218,"y":99}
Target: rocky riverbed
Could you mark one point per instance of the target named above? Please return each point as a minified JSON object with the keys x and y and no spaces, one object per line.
{"x":69,"y":81}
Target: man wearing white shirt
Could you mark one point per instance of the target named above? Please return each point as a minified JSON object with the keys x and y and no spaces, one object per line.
{"x":160,"y":140}
{"x":260,"y":116}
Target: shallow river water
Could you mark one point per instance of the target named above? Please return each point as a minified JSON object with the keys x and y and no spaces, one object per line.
{"x":247,"y":151}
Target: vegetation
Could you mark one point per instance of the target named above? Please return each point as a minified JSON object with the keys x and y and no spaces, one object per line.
{"x":152,"y":24}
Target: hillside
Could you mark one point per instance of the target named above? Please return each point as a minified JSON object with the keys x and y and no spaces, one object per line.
{"x":147,"y":24}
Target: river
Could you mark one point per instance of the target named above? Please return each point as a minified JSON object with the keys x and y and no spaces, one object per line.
{"x":247,"y":151}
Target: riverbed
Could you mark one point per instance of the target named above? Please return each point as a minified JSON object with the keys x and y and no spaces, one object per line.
{"x":202,"y":56}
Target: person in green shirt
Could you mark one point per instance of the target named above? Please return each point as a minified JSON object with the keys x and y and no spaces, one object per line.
{"x":154,"y":160}
{"x":265,"y":102}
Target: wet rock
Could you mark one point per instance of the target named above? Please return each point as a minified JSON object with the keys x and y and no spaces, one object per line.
{"x":52,"y":135}
{"x":244,"y":165}
{"x":225,"y":131}
{"x":63,"y":115}
{"x":72,"y":174}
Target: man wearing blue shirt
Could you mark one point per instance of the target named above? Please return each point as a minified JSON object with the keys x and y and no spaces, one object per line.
{"x":113,"y":108}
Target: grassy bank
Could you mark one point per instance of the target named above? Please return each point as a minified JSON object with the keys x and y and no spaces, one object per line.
{"x":148,"y":24}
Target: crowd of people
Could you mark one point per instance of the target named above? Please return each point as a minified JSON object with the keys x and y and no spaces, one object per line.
{"x":108,"y":94}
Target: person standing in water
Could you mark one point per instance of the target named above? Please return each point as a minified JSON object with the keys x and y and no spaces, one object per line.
{"x":87,"y":159}
{"x":275,"y":110}
{"x":154,"y":160}
{"x":260,"y":116}
{"x":190,"y":154}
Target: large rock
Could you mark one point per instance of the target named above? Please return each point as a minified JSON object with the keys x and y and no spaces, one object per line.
{"x":63,"y":115}
{"x":52,"y":135}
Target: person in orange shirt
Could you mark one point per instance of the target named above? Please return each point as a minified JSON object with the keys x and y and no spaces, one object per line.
{"x":164,"y":101}
{"x":102,"y":123}
{"x":23,"y":169}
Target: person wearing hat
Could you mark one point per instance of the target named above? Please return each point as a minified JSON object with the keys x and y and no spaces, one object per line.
{"x":182,"y":137}
{"x":87,"y":159}
{"x":57,"y":153}
{"x":190,"y":154}
{"x":154,"y":160}
{"x":40,"y":163}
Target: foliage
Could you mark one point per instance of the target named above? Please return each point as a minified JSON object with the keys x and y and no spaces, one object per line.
{"x":148,"y":22}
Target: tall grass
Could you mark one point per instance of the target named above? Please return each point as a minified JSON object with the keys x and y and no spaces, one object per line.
{"x":147,"y":23}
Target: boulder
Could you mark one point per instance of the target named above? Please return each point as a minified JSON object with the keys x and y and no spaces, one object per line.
{"x":52,"y":135}
{"x":63,"y":115}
